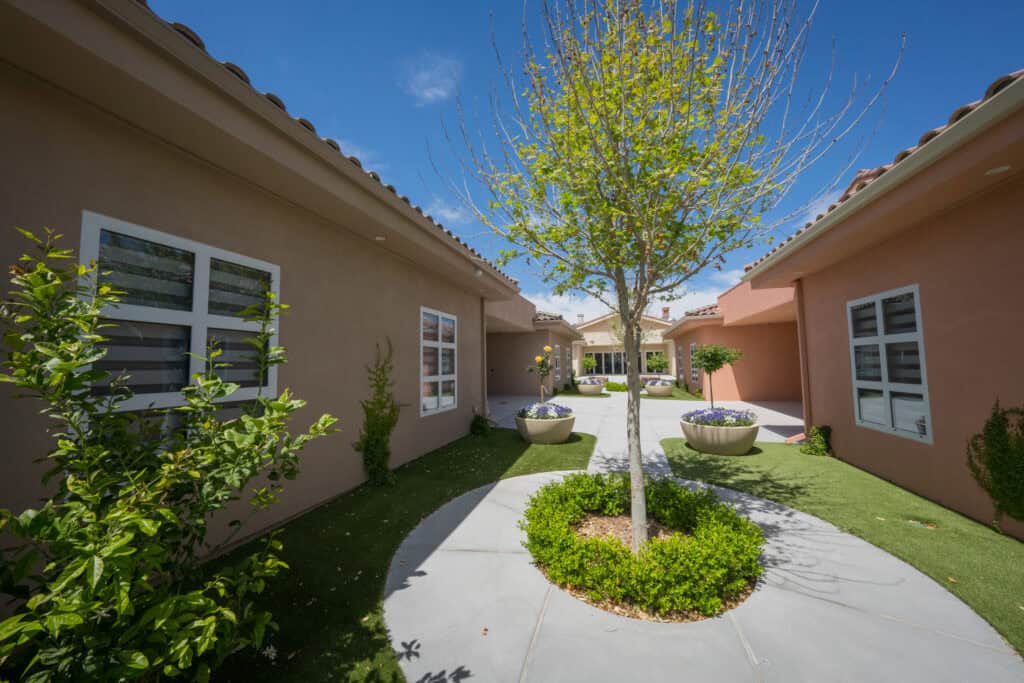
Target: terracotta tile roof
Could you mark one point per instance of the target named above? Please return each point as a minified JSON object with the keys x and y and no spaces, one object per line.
{"x":237,"y":71}
{"x":543,"y":316}
{"x":710,"y":309}
{"x":867,"y":176}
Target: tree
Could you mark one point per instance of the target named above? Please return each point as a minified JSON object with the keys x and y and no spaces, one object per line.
{"x":711,"y":358}
{"x":542,"y":366}
{"x":589,"y":364}
{"x":657,"y":363}
{"x":647,"y":142}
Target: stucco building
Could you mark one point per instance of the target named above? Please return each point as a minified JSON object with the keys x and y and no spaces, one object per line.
{"x":908,"y":301}
{"x":602,"y":341}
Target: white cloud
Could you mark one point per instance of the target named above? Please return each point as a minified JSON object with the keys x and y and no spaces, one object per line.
{"x":433,"y":78}
{"x":448,"y":213}
{"x":815,"y":208}
{"x":725,"y":278}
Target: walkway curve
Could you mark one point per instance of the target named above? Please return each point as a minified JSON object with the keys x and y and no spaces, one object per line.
{"x":464,"y":600}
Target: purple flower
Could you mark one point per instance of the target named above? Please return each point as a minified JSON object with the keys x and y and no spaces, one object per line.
{"x":544,"y":411}
{"x":721,"y":417}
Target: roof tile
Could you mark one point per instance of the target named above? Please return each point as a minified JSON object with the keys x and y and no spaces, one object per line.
{"x":866,"y":176}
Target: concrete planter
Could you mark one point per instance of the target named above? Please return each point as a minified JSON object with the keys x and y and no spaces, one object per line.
{"x":720,"y":440}
{"x":545,"y":431}
{"x":590,"y":389}
{"x":659,"y":389}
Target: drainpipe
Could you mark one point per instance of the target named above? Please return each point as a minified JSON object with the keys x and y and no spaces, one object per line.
{"x":801,"y":334}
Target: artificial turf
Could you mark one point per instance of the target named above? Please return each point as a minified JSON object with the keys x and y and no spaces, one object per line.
{"x":978,"y":564}
{"x":329,"y":604}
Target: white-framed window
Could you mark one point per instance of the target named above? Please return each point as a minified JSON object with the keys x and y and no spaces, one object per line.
{"x":890,"y":383}
{"x":694,"y":372}
{"x":438,"y":345}
{"x":558,"y":363}
{"x":179,"y":296}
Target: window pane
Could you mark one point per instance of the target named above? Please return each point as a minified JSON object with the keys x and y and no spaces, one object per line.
{"x":152,"y":356}
{"x":234,"y":288}
{"x":904,"y":362}
{"x":429,"y":361}
{"x":447,"y":361}
{"x":898,"y":314}
{"x":429,"y":396}
{"x":448,"y":330}
{"x":240,"y":354}
{"x":868,"y":362}
{"x":447,"y":394}
{"x":865,"y":323}
{"x":871,"y":406}
{"x":148,"y":273}
{"x":909,"y":414}
{"x":430,"y":324}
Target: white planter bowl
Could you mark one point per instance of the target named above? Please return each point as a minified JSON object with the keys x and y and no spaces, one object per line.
{"x":659,"y":389}
{"x":555,"y":430}
{"x":720,"y":440}
{"x":590,"y":389}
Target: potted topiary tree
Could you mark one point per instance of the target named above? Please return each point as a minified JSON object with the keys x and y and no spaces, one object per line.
{"x":544,"y":422}
{"x":589,"y":365}
{"x":711,"y":358}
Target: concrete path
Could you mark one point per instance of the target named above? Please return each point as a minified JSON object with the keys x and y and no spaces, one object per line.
{"x":659,"y":419}
{"x":463,"y":601}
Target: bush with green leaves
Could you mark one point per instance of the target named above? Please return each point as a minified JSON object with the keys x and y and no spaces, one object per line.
{"x":819,"y":441}
{"x":380,"y":416}
{"x":713,"y":558}
{"x":657,"y":362}
{"x":107,"y":572}
{"x":616,"y":386}
{"x":480,"y":425}
{"x":996,"y":459}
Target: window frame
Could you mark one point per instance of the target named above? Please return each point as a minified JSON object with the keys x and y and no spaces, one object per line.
{"x":881,"y":339}
{"x":439,"y":345}
{"x":197,"y":319}
{"x":558,"y":363}
{"x":694,"y":372}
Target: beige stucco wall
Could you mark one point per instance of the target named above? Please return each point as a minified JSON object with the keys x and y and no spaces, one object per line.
{"x":967,"y":265}
{"x":510,"y":354}
{"x":601,"y":336}
{"x":345,"y":292}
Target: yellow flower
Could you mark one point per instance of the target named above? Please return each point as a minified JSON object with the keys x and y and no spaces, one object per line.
{"x":538,"y":359}
{"x":547,"y":349}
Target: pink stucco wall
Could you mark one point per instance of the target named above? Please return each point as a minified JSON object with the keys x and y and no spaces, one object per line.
{"x":768,"y":371}
{"x":967,"y":263}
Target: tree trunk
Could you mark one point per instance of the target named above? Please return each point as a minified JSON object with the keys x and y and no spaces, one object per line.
{"x":711,"y":389}
{"x":638,"y":500}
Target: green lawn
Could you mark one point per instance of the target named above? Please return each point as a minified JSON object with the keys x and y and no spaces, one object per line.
{"x":677,"y":395}
{"x":328,"y":605}
{"x":986,"y":567}
{"x":573,"y":391}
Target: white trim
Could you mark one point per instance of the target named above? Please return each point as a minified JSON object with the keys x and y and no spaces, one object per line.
{"x":558,"y":363}
{"x":694,"y":372}
{"x":198,"y":320}
{"x":439,"y":378}
{"x":881,"y":340}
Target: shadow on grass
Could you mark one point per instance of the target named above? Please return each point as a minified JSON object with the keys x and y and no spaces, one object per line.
{"x":329,"y":604}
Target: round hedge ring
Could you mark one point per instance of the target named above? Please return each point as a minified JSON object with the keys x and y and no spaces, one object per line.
{"x":709,"y":559}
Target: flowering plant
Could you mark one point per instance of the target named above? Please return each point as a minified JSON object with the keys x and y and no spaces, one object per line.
{"x":589,"y":380}
{"x":721,"y":417}
{"x":542,"y":366}
{"x":544,"y":411}
{"x":660,"y":382}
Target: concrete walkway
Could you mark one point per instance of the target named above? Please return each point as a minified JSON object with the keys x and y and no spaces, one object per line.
{"x":464,"y":601}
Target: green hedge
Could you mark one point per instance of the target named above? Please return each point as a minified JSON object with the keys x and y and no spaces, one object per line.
{"x":714,"y":558}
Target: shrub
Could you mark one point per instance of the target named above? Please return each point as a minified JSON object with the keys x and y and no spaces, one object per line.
{"x":480,"y":425}
{"x":116,"y":590}
{"x":616,"y":386}
{"x":819,"y":441}
{"x":589,"y":364}
{"x":380,"y":416}
{"x":544,"y":411}
{"x":721,"y":417}
{"x":714,"y":558}
{"x":657,"y":363}
{"x":996,"y":459}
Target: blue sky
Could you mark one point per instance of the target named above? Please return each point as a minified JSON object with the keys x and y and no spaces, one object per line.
{"x":381,"y":77}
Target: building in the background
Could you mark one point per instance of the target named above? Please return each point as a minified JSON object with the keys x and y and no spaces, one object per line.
{"x":909,"y":299}
{"x":602,"y":341}
{"x":516,"y":334}
{"x":761,"y":324}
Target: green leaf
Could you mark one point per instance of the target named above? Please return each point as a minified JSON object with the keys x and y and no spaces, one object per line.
{"x":95,"y":571}
{"x":11,"y":626}
{"x":135,"y":660}
{"x":148,"y":526}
